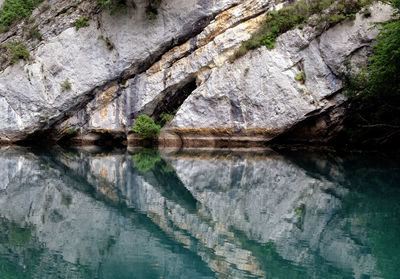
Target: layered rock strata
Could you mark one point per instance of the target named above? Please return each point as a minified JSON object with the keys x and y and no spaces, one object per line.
{"x":179,"y":62}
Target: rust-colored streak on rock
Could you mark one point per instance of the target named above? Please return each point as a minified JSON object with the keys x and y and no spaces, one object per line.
{"x":104,"y":113}
{"x":107,"y":96}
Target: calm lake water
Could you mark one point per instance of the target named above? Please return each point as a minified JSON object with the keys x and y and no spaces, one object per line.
{"x":93,"y":213}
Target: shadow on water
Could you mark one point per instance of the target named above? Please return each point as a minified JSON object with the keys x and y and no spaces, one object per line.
{"x":96,"y":213}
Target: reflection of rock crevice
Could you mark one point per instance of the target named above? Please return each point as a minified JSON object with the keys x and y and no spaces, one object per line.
{"x":243,"y":215}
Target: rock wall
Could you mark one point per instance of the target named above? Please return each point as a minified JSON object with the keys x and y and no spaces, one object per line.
{"x":124,"y":65}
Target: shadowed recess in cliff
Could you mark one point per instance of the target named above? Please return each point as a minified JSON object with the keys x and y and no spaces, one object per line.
{"x":100,"y":138}
{"x":173,"y":99}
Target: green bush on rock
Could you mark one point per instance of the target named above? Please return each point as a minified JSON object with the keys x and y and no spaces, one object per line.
{"x":66,"y":85}
{"x":115,"y":6}
{"x":290,"y":17}
{"x":375,"y":90}
{"x":14,"y":10}
{"x":82,"y":22}
{"x":146,"y":128}
{"x":17,"y":51}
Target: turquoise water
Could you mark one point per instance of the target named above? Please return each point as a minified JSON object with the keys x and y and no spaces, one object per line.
{"x":95,"y":213}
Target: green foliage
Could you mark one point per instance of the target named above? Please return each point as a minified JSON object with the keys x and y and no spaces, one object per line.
{"x":82,"y":22}
{"x":165,"y":118}
{"x":14,"y":10}
{"x":66,"y":200}
{"x":151,"y":15}
{"x":16,"y":51}
{"x":152,"y":9}
{"x":279,"y":22}
{"x":300,"y":77}
{"x":72,"y":131}
{"x":381,"y":77}
{"x":375,"y":90}
{"x":115,"y":6}
{"x":66,"y":85}
{"x":334,"y":19}
{"x":146,"y":159}
{"x":35,"y":34}
{"x":146,"y":128}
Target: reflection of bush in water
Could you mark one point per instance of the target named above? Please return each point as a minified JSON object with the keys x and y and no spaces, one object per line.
{"x":269,"y":259}
{"x":146,"y":159}
{"x":19,"y":236}
{"x":21,"y":251}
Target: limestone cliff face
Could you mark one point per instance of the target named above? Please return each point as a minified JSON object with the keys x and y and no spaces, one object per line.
{"x":124,"y":65}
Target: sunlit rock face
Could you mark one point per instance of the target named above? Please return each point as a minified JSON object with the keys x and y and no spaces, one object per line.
{"x":236,"y":214}
{"x":31,"y":94}
{"x":250,"y":100}
{"x":259,"y":95}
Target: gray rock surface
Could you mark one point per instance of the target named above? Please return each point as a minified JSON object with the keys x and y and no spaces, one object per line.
{"x":190,"y":41}
{"x":31,"y":95}
{"x":259,"y":92}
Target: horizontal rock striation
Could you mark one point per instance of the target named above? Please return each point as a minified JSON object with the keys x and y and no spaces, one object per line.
{"x":259,"y":96}
{"x":125,"y":65}
{"x":31,"y":96}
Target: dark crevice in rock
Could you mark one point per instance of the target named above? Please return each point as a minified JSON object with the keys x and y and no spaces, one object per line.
{"x":191,"y":32}
{"x":139,"y":68}
{"x":173,"y":99}
{"x":38,"y":138}
{"x":316,"y":128}
{"x":95,"y":138}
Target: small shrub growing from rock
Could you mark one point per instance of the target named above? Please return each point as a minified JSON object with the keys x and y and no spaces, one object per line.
{"x":72,"y":131}
{"x":14,"y":10}
{"x":34,"y":33}
{"x":17,"y":51}
{"x":82,"y":22}
{"x":66,"y":85}
{"x":165,"y":118}
{"x":300,"y":77}
{"x":146,"y":128}
{"x":115,"y":6}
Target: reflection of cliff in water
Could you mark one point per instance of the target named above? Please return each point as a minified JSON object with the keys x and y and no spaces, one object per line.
{"x":73,"y":235}
{"x":244,"y":215}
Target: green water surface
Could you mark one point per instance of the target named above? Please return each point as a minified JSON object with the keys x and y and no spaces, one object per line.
{"x":96,"y":213}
